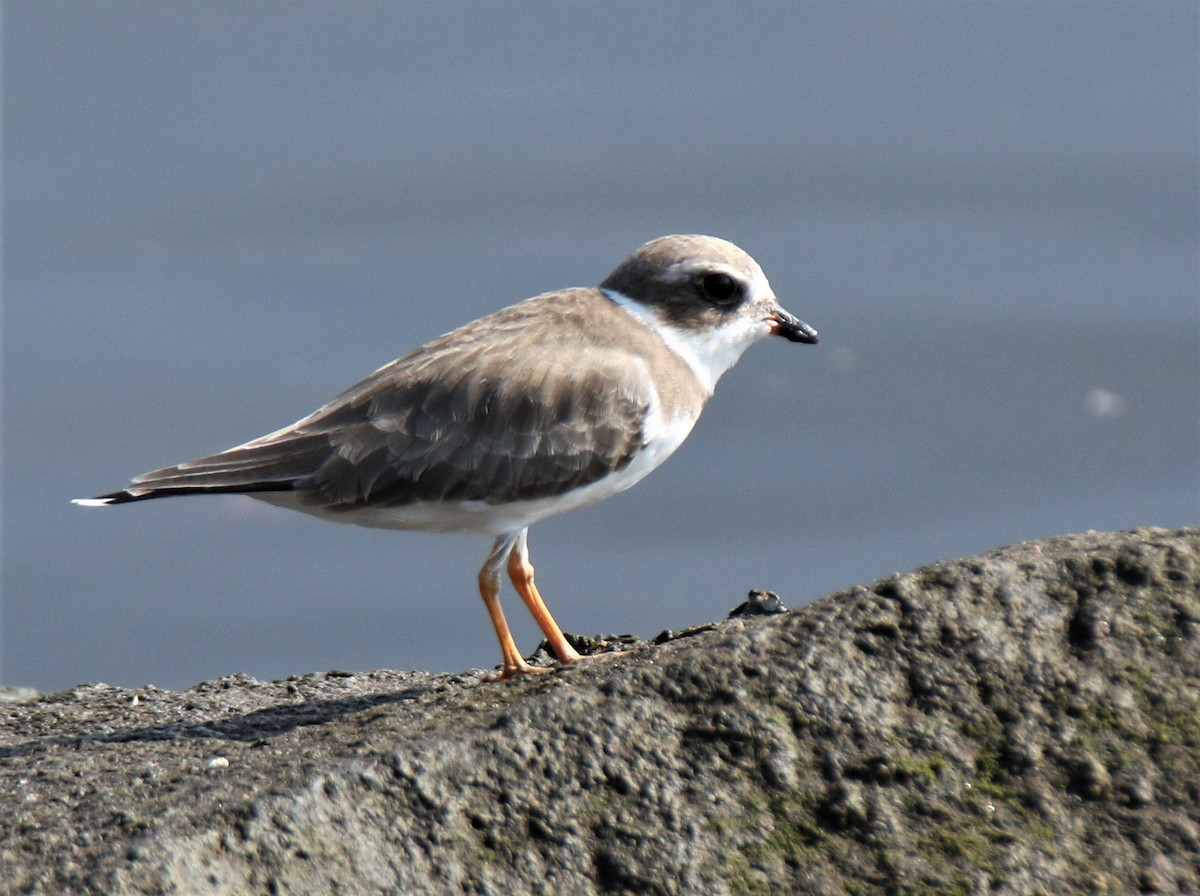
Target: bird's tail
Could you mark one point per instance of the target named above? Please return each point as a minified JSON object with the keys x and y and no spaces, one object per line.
{"x":260,"y":466}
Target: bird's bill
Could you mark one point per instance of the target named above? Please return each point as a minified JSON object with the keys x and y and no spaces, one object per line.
{"x":793,"y":329}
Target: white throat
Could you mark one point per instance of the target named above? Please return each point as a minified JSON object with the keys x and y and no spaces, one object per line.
{"x":709,"y":353}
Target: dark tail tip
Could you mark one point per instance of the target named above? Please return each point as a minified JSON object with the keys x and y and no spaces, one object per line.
{"x":120,"y":497}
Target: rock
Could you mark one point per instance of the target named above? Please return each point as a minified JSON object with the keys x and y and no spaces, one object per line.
{"x":759,"y":603}
{"x":1024,"y":721}
{"x":10,"y":694}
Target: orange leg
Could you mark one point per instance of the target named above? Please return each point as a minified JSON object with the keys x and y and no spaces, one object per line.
{"x":520,"y":570}
{"x":489,"y":590}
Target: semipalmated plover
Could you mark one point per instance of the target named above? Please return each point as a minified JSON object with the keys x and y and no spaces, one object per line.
{"x":551,"y":404}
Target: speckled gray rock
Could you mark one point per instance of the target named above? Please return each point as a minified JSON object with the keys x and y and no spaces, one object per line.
{"x":1027,"y":721}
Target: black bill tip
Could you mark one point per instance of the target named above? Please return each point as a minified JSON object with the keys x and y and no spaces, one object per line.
{"x":792,"y":328}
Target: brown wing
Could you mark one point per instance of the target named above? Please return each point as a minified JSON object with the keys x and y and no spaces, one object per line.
{"x":480,"y":434}
{"x":495,"y":411}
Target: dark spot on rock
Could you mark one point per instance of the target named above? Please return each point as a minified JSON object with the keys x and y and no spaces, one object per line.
{"x":844,"y":807}
{"x":1089,"y":779}
{"x":1131,"y":571}
{"x":540,"y":830}
{"x":1087,"y":627}
{"x":1138,"y":791}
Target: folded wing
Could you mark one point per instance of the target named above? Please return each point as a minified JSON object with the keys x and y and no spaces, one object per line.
{"x":458,"y":420}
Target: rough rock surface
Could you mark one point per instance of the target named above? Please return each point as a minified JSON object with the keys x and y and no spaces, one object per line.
{"x":1027,"y":721}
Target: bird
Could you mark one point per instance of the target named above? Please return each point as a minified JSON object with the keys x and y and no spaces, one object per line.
{"x":542,"y":407}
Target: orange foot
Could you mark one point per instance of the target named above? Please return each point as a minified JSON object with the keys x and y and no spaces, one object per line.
{"x":521,"y":668}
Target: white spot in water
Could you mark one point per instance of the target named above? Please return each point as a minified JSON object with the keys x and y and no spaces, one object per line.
{"x":1103,"y":403}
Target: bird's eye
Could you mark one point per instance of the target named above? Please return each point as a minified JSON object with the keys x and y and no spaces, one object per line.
{"x":719,"y":287}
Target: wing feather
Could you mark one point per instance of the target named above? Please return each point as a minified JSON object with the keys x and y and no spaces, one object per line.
{"x":496,"y":411}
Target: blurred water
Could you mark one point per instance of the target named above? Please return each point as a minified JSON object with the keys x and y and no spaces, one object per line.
{"x":218,"y":215}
